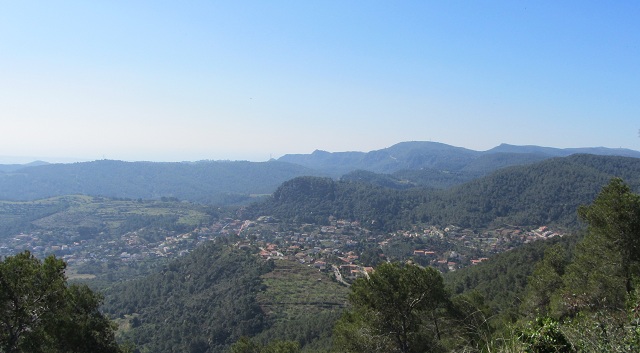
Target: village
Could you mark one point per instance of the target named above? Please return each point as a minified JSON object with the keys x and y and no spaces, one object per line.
{"x":343,"y":249}
{"x":350,"y":251}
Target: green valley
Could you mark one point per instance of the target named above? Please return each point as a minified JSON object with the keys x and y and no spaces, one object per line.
{"x":184,"y":276}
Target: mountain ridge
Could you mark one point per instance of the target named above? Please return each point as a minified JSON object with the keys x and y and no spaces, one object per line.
{"x":405,"y":165}
{"x":207,"y":181}
{"x":547,"y":192}
{"x":412,"y":155}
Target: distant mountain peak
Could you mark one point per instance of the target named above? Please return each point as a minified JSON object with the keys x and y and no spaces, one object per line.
{"x":418,"y":155}
{"x":317,"y":152}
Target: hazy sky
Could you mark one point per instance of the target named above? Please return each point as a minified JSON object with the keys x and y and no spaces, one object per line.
{"x":191,"y":80}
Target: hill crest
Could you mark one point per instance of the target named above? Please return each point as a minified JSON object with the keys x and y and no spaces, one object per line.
{"x":417,"y":155}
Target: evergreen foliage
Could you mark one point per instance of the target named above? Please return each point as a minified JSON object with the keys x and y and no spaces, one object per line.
{"x":545,"y":281}
{"x":590,"y":304}
{"x":384,"y":180}
{"x":602,"y":273}
{"x":547,"y":296}
{"x":396,"y":309}
{"x":203,"y":302}
{"x":547,"y":192}
{"x":504,"y":282}
{"x":246,"y":345}
{"x":209,"y":299}
{"x":39,"y":312}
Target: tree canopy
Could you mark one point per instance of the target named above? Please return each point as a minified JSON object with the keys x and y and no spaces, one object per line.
{"x":394,"y":310}
{"x":39,"y":312}
{"x":545,"y":193}
{"x":590,"y":304}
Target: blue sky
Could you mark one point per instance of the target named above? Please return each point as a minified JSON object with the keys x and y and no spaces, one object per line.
{"x":174,"y":81}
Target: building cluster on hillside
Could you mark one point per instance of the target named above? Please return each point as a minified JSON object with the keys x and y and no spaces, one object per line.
{"x":340,"y":244}
{"x":128,"y":247}
{"x":342,"y":247}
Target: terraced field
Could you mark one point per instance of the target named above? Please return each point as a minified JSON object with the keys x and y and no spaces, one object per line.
{"x":301,"y":302}
{"x":70,"y":213}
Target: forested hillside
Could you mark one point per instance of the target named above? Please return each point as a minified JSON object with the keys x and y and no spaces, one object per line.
{"x":207,"y":300}
{"x":542,"y":297}
{"x":502,"y":280}
{"x":404,"y":165}
{"x":548,"y":192}
{"x":423,"y":155}
{"x":199,"y":303}
{"x":207,"y":181}
{"x":445,"y":178}
{"x":404,"y":155}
